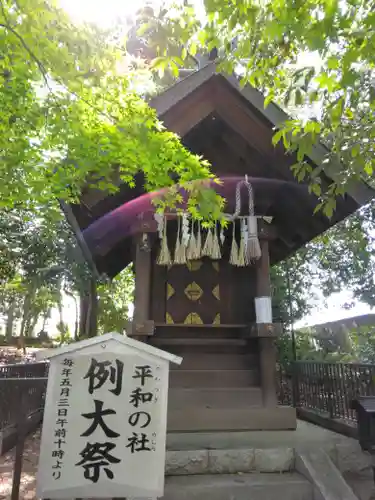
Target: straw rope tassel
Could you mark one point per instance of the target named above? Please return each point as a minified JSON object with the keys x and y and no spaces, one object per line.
{"x":164,"y":255}
{"x":209,"y":243}
{"x":199,"y":241}
{"x":160,"y":222}
{"x":243,"y":245}
{"x":216,"y":252}
{"x":185,"y":231}
{"x":192,"y":250}
{"x":242,"y":249}
{"x":233,"y":259}
{"x":222,"y":235}
{"x":180,"y":250}
{"x":253,"y":246}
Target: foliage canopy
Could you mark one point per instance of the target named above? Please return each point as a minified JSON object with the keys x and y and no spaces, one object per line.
{"x":318,"y":57}
{"x":72,"y":109}
{"x":70,"y":114}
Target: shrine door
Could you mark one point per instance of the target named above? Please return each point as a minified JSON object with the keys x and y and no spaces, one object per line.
{"x":193,"y":293}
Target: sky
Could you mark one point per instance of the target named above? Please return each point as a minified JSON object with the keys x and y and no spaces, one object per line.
{"x":105,"y":13}
{"x":332,"y":309}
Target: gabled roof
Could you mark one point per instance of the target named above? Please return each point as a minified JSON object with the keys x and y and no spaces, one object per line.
{"x":163,"y":103}
{"x":230,"y":127}
{"x":113,"y":337}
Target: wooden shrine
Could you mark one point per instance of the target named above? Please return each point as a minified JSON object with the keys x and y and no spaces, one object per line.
{"x":214,"y":310}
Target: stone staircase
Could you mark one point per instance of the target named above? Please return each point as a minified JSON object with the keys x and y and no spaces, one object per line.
{"x":288,"y":486}
{"x":254,"y":474}
{"x":217,"y":386}
{"x":241,"y":474}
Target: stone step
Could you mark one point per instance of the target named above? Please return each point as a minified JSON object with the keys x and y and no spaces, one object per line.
{"x":231,"y":419}
{"x":211,"y":361}
{"x":238,"y":397}
{"x":182,"y":345}
{"x":213,"y":378}
{"x":327,"y":480}
{"x":289,"y":486}
{"x":235,"y":461}
{"x":200,"y":331}
{"x":308,"y":435}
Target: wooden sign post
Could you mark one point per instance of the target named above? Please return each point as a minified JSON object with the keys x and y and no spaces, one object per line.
{"x":104,"y":427}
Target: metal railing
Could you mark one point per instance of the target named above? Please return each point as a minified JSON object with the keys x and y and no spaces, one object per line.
{"x":24,"y":370}
{"x":318,"y":387}
{"x":22,"y":391}
{"x":331,"y":387}
{"x":20,"y":397}
{"x":326,"y":388}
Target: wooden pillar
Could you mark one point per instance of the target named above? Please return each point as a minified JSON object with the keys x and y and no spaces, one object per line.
{"x":267,"y":350}
{"x":142,"y":268}
{"x":142,"y":326}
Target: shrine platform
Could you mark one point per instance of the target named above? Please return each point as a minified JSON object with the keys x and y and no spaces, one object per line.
{"x":306,"y":435}
{"x":204,"y":454}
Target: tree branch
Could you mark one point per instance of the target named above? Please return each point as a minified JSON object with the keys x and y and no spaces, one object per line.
{"x":29,"y":51}
{"x":44,"y":72}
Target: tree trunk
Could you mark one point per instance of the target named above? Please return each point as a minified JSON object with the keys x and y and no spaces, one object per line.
{"x":84,"y":307}
{"x":45,"y":317}
{"x":31,"y":323}
{"x":25,"y":319}
{"x":93,"y":324}
{"x":10,"y":320}
{"x":77,"y":314}
{"x":76,"y":324}
{"x":88,"y":311}
{"x":60,"y":309}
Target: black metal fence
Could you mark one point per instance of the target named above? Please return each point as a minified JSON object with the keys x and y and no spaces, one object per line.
{"x":24,"y":370}
{"x":318,"y":388}
{"x":22,"y":392}
{"x":331,"y":387}
{"x":326,"y":388}
{"x":323,"y":387}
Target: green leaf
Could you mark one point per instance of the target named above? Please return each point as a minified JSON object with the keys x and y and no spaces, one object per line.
{"x":298,"y":97}
{"x":193,"y":48}
{"x":355,"y":150}
{"x":326,"y":81}
{"x":277,"y":137}
{"x":329,"y":207}
{"x":274,"y":29}
{"x":316,"y":189}
{"x":300,"y":153}
{"x":369,"y":168}
{"x":333,"y":63}
{"x":178,"y":60}
{"x":268,"y":100}
{"x":142,"y":30}
{"x":286,"y":141}
{"x":174,"y":69}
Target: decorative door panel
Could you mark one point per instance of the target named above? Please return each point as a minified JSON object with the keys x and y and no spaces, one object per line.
{"x":193,"y":293}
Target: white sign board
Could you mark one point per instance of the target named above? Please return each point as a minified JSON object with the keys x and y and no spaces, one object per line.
{"x":104,"y":427}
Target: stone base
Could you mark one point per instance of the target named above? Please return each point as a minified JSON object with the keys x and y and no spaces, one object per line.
{"x":226,"y":419}
{"x":237,"y":461}
{"x":287,"y":486}
{"x":325,"y":477}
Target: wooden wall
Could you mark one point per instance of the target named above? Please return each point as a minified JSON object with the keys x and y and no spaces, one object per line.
{"x":235,"y":287}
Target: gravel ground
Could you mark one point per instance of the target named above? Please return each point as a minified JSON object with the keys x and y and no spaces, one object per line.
{"x":30,"y":465}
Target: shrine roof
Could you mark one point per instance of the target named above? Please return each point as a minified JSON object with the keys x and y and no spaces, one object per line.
{"x":229,"y":126}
